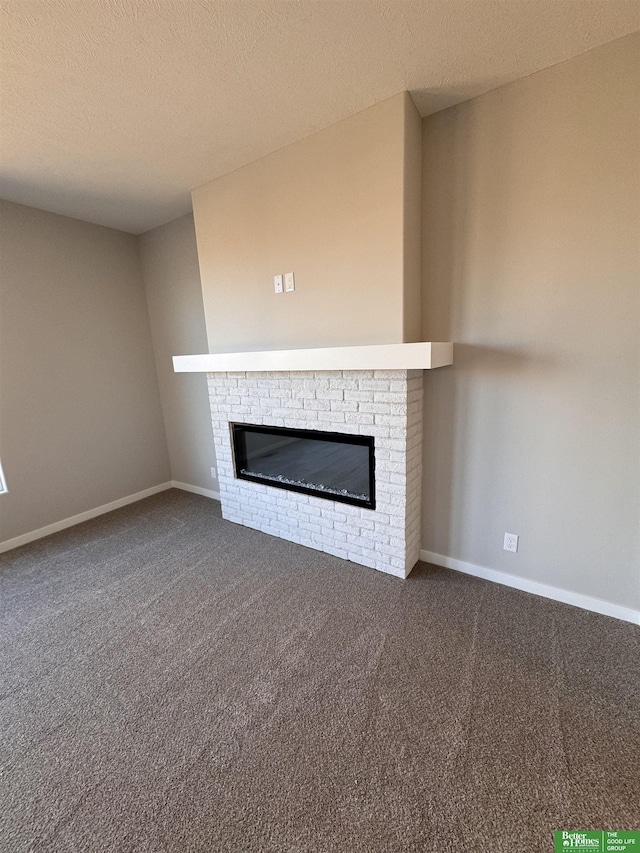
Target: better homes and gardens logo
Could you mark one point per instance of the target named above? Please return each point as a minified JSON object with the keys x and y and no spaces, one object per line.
{"x":600,"y":841}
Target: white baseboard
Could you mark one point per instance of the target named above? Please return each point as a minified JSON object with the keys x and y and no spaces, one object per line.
{"x":16,"y":542}
{"x":596,"y":605}
{"x":197,"y":490}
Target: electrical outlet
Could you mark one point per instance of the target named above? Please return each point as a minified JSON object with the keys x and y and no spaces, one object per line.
{"x":277,"y":283}
{"x":511,"y":542}
{"x":289,"y":282}
{"x":214,"y":475}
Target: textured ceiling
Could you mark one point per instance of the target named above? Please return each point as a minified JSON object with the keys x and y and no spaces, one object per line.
{"x":113,"y":110}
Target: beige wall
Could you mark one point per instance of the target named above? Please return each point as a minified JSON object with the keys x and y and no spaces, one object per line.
{"x":331,"y":208}
{"x":412,"y":225}
{"x":531,"y":263}
{"x":80,"y":418}
{"x":174,"y":298}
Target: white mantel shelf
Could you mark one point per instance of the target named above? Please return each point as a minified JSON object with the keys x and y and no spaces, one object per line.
{"x":419,"y":356}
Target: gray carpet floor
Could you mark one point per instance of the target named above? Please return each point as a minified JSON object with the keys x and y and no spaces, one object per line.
{"x":175,"y":682}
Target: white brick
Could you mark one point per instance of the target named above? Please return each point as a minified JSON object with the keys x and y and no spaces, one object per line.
{"x":310,"y":416}
{"x":344,"y":384}
{"x":336,"y":552}
{"x":333,"y":515}
{"x":319,"y":538}
{"x":314,"y":385}
{"x":390,"y":420}
{"x":375,"y":408}
{"x":359,"y":396}
{"x":343,"y":406}
{"x":301,"y":392}
{"x":391,"y":489}
{"x":374,"y":384}
{"x":310,"y":526}
{"x":357,"y":374}
{"x":396,"y":467}
{"x":231,"y":516}
{"x":369,"y":557}
{"x":379,"y":431}
{"x":329,"y":394}
{"x":390,"y":374}
{"x":336,"y":417}
{"x":390,"y":397}
{"x":360,"y":418}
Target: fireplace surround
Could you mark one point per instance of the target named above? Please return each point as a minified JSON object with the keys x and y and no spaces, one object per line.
{"x":342,"y":396}
{"x":383,"y":404}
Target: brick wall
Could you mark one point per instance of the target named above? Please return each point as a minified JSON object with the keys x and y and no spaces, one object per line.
{"x":386,"y":404}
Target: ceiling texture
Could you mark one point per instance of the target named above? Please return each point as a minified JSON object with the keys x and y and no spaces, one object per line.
{"x":111,"y":111}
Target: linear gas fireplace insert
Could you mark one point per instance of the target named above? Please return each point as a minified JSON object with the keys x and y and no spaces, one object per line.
{"x":329,"y":465}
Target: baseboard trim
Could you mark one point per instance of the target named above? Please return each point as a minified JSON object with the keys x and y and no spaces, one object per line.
{"x":16,"y":542}
{"x":197,"y":490}
{"x":596,"y":605}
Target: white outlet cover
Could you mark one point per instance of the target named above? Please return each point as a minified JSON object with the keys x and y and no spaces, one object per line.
{"x":277,"y":283}
{"x":511,"y":542}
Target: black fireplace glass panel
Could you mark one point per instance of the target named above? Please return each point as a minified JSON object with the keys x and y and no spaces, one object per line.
{"x":331,"y":465}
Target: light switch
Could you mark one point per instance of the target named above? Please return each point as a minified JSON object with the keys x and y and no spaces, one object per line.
{"x":289,"y":282}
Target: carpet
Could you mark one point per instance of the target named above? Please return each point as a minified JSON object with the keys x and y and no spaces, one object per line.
{"x":174,"y":682}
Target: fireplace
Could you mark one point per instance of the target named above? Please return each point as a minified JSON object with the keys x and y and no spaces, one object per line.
{"x":340,"y":393}
{"x":335,"y":466}
{"x":381,"y":410}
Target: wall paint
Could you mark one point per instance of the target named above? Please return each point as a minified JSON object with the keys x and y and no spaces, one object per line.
{"x":412,"y":225}
{"x":530,"y":263}
{"x":174,"y":299}
{"x":332,"y":209}
{"x":80,"y":418}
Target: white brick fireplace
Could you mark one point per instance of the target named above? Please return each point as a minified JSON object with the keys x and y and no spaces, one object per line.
{"x":384,"y":402}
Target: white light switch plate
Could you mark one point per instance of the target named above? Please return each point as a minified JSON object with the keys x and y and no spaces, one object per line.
{"x":289,"y":282}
